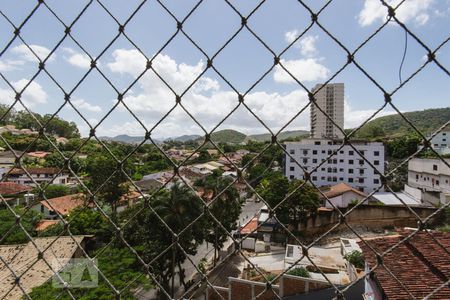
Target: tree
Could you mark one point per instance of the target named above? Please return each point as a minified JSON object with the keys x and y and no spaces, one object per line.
{"x":178,"y":208}
{"x":100,"y":168}
{"x":84,"y":221}
{"x":355,"y":258}
{"x":226,"y":209}
{"x":300,"y":272}
{"x":298,"y":203}
{"x":54,"y":190}
{"x":16,"y":235}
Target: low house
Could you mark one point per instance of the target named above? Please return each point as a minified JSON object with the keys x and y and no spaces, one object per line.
{"x":396,"y":199}
{"x":38,"y":154}
{"x":14,"y":191}
{"x":44,"y":224}
{"x":38,"y":175}
{"x":419,"y":263}
{"x":60,"y":205}
{"x":341,"y":195}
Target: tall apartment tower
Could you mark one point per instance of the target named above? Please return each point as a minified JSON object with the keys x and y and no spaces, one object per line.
{"x":331,"y":100}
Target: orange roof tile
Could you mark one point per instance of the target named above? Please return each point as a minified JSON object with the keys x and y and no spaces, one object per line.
{"x":63,"y":205}
{"x":44,"y":224}
{"x":250,"y":226}
{"x":11,"y":188}
{"x":419,"y":263}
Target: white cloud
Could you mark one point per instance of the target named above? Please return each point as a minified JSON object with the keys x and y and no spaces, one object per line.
{"x":308,"y":45}
{"x":33,"y":95}
{"x":354,"y":118}
{"x":10,"y":65}
{"x":76,"y":59}
{"x":82,"y":104}
{"x":308,"y":69}
{"x":411,"y":10}
{"x":26,"y":54}
{"x":290,"y":36}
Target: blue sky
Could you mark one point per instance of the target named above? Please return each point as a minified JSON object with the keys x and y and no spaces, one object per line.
{"x":277,"y":98}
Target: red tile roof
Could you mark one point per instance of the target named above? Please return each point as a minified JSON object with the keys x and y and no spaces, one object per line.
{"x":44,"y":224}
{"x":339,"y":189}
{"x":420,"y":264}
{"x":51,"y":171}
{"x":11,"y":188}
{"x":250,"y":226}
{"x":38,"y":154}
{"x":64,"y":204}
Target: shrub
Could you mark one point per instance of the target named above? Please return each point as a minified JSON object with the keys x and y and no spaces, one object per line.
{"x":355,"y":258}
{"x":300,"y":272}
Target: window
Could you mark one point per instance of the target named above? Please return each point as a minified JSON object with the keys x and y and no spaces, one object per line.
{"x":361,"y":161}
{"x":317,"y":143}
{"x":437,"y":182}
{"x":323,"y":169}
{"x":314,"y":160}
{"x":376,"y":162}
{"x":305,"y":160}
{"x":330,"y":151}
{"x":329,"y":170}
{"x":329,"y":179}
{"x":376,"y":153}
{"x":323,"y":151}
{"x":435,"y":167}
{"x":341,"y":170}
{"x":341,"y":152}
{"x":305,"y":152}
{"x":341,"y":179}
{"x":350,"y":180}
{"x":350,"y":171}
{"x":292,"y":151}
{"x":341,"y":160}
{"x":314,"y":152}
{"x":417,"y":177}
{"x":361,"y":171}
{"x":361,"y":180}
{"x":291,"y":177}
{"x":323,"y":177}
{"x":291,"y":168}
{"x":376,"y":181}
{"x":350,"y":162}
{"x":314,"y":178}
{"x":334,"y":179}
{"x":351,"y":152}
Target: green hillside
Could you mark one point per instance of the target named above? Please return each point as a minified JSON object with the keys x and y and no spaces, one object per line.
{"x":228,"y":136}
{"x":426,"y":121}
{"x":282,"y":136}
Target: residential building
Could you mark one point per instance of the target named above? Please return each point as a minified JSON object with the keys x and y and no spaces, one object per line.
{"x":441,"y":142}
{"x":38,"y":175}
{"x":420,"y":265}
{"x":14,"y":193}
{"x":346,"y":165}
{"x":330,"y":99}
{"x":431,"y":177}
{"x":341,"y":195}
{"x":21,"y":260}
{"x":50,"y":208}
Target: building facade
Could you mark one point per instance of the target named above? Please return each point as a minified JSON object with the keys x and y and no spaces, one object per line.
{"x":432,"y":177}
{"x":38,"y":175}
{"x":330,"y":99}
{"x":441,"y":142}
{"x":345,"y":166}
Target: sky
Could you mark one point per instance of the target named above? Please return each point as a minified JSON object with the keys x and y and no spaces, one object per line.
{"x":276,"y":99}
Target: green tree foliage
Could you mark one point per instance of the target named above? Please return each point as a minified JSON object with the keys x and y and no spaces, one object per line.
{"x":355,"y":258}
{"x":119,"y":266}
{"x":55,"y":160}
{"x":84,"y":221}
{"x":54,"y":190}
{"x":102,"y":172}
{"x":226,"y":208}
{"x":301,"y":202}
{"x":300,"y":272}
{"x":402,"y":147}
{"x":16,"y":235}
{"x":203,"y":156}
{"x":177,"y":208}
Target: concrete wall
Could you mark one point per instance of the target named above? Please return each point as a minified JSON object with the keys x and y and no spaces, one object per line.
{"x":369,"y":215}
{"x":294,"y":285}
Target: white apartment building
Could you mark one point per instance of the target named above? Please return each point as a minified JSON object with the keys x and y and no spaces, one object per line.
{"x":331,"y":100}
{"x":346,"y":166}
{"x":432,"y":177}
{"x":441,"y":142}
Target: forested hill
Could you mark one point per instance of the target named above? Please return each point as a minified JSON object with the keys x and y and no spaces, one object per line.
{"x":427,"y":121}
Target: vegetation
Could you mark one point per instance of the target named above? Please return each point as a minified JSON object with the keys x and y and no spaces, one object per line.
{"x":10,"y":231}
{"x":355,"y":258}
{"x":228,"y":136}
{"x":300,"y":272}
{"x":118,"y":265}
{"x":427,"y":121}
